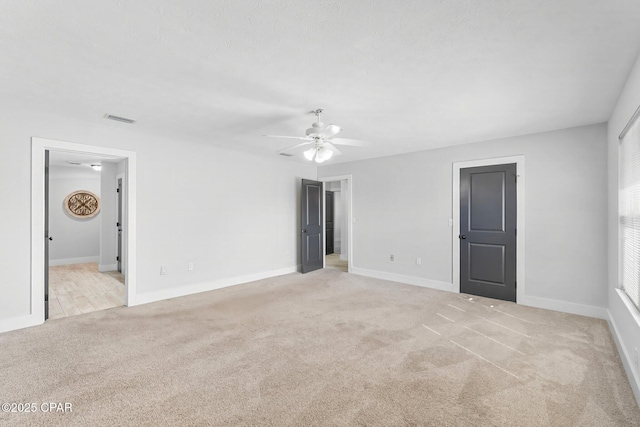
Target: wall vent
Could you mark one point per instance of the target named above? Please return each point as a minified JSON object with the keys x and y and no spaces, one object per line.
{"x":119,"y":119}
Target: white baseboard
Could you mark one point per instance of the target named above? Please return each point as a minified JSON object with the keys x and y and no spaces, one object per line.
{"x":549,"y":304}
{"x":149,"y":297}
{"x":409,"y":280}
{"x":564,"y":307}
{"x":14,"y":323}
{"x":67,"y":261}
{"x":626,"y":358}
{"x":626,"y":355}
{"x":107,"y":267}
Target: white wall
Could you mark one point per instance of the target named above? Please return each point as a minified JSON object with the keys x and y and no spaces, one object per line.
{"x":624,"y":320}
{"x":108,"y":230}
{"x":232,"y":214}
{"x":75,"y":240}
{"x":402,"y":205}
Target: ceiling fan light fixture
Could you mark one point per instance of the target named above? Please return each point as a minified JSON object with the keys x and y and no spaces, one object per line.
{"x":323,"y":155}
{"x":310,"y":153}
{"x":320,"y":138}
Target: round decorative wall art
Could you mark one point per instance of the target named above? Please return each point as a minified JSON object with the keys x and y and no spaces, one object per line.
{"x":82,"y":204}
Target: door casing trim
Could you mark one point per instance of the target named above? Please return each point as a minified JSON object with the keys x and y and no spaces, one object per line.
{"x":38,"y":148}
{"x":520,"y":218}
{"x":349,"y":179}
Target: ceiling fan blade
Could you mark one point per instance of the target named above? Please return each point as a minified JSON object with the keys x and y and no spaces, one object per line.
{"x":304,"y":138}
{"x":351,"y":142}
{"x":294,"y":146}
{"x":332,"y":148}
{"x":329,"y":131}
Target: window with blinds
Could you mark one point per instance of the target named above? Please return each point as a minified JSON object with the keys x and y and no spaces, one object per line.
{"x":629,"y":209}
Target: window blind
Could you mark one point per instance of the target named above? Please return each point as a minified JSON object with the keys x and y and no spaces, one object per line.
{"x":629,"y":209}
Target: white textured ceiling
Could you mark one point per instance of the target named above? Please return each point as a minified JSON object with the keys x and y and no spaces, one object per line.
{"x":407,"y":75}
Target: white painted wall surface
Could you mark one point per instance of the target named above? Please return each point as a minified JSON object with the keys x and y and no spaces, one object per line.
{"x":625,"y":320}
{"x":108,"y":226}
{"x":75,"y":240}
{"x":402,"y":205}
{"x":233,"y":214}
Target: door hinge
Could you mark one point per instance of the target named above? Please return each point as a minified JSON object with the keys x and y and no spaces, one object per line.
{"x":117,"y":258}
{"x":117,"y":224}
{"x":117,"y":190}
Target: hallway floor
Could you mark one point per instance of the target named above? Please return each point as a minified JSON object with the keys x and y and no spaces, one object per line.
{"x":80,"y":288}
{"x":334,"y":261}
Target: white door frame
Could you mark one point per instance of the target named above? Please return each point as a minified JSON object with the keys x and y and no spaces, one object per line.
{"x":520,"y":216}
{"x":38,"y":148}
{"x":349,"y":179}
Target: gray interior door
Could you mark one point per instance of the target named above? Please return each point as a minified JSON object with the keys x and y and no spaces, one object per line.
{"x":488,"y":231}
{"x":311,"y":221}
{"x":119,"y":226}
{"x":47,"y":238}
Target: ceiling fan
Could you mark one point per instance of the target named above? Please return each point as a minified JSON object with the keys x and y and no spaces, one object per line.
{"x":322,"y":141}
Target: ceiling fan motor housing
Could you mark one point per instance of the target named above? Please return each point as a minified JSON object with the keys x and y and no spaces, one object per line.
{"x":315,"y":128}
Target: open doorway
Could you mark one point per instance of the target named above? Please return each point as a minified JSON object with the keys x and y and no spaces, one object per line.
{"x":113,"y":160}
{"x":338,"y":223}
{"x":82,"y":210}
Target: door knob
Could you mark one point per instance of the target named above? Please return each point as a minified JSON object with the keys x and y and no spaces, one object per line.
{"x":304,"y":230}
{"x":462,"y":236}
{"x":50,"y":238}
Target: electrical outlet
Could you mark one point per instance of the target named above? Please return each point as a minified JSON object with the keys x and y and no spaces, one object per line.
{"x":163,"y":270}
{"x":418,"y":261}
{"x":190,"y":266}
{"x":392,"y":257}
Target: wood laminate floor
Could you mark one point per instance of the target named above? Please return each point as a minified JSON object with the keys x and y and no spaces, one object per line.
{"x":334,"y":261}
{"x":80,"y":288}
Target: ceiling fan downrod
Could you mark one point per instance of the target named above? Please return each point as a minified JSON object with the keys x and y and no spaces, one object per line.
{"x":317,"y":126}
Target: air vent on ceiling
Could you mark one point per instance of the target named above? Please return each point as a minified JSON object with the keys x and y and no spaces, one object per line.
{"x":286,"y":154}
{"x":119,"y":119}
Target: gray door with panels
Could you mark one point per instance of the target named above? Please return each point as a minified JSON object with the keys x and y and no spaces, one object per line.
{"x":311,"y":220}
{"x":488,"y":231}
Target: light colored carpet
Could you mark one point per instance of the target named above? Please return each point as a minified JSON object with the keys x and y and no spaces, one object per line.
{"x":325,"y":348}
